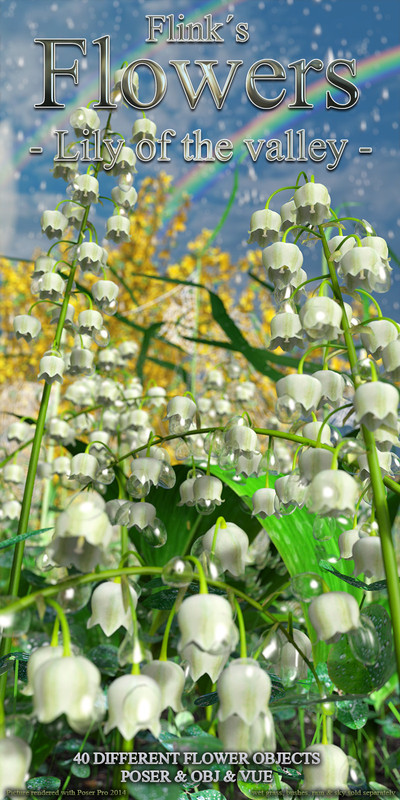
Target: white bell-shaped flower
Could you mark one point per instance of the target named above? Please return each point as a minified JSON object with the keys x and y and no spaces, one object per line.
{"x":208,"y":634}
{"x":108,"y":608}
{"x":145,"y":474}
{"x":332,"y":771}
{"x":282,"y":261}
{"x":83,"y":468}
{"x":53,"y":224}
{"x":134,"y":703}
{"x":40,"y":656}
{"x":143,"y":129}
{"x":15,"y":760}
{"x":311,"y":430}
{"x":82,"y":532}
{"x":346,"y":541}
{"x":51,"y":369}
{"x":126,"y":200}
{"x":244,"y":688}
{"x":264,"y":227}
{"x":89,"y":321}
{"x":367,"y":555}
{"x":385,"y":462}
{"x":290,"y":491}
{"x":304,"y":390}
{"x":313,"y":460}
{"x":312,"y":201}
{"x":286,"y":331}
{"x":66,"y":685}
{"x":81,"y":361}
{"x":207,"y":491}
{"x":14,"y":473}
{"x":26,"y":327}
{"x":206,"y":621}
{"x":231,"y":547}
{"x":332,"y":493}
{"x":170,"y":679}
{"x":51,"y":286}
{"x":263,"y":503}
{"x":202,"y":663}
{"x":242,"y":441}
{"x":377,"y":335}
{"x":118,"y":229}
{"x":332,"y":385}
{"x":321,"y":318}
{"x":83,"y":118}
{"x":332,"y":614}
{"x":86,"y":189}
{"x":359,"y":266}
{"x":376,"y":404}
{"x":105,"y":293}
{"x":74,"y":214}
{"x":181,"y":412}
{"x":90,"y":257}
{"x":237,"y":736}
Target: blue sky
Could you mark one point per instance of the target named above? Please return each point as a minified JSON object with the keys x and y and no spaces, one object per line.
{"x":285,"y":30}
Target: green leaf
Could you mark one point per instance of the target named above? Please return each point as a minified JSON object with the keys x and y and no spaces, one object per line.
{"x":9,"y":661}
{"x":254,"y":790}
{"x":207,"y":794}
{"x":207,"y":699}
{"x":80,"y":770}
{"x":44,"y":784}
{"x":105,"y":657}
{"x":21,"y":537}
{"x":366,"y":587}
{"x":352,"y":713}
{"x":293,"y":537}
{"x":355,"y":677}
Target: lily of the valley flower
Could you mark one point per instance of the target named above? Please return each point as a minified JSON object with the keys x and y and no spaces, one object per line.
{"x":134,"y":703}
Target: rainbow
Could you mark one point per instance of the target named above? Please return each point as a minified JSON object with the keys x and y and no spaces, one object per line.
{"x":197,"y":179}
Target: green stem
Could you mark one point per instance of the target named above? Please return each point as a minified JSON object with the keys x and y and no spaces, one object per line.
{"x":378,"y":488}
{"x":201,"y":576}
{"x":35,"y":452}
{"x":164,"y":647}
{"x":242,"y":630}
{"x":64,"y":626}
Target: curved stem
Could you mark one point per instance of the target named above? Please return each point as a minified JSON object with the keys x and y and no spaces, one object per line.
{"x":242,"y":630}
{"x":64,"y":626}
{"x":378,"y":488}
{"x":164,"y":647}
